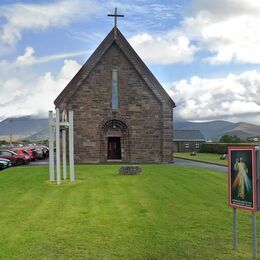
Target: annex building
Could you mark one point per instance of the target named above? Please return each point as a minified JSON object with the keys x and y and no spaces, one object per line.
{"x":187,"y":140}
{"x":121,"y":112}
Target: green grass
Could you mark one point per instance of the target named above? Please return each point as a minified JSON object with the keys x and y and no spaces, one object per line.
{"x":169,"y":212}
{"x":203,"y":157}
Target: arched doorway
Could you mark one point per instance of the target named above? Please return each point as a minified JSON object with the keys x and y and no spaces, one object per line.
{"x":114,"y":141}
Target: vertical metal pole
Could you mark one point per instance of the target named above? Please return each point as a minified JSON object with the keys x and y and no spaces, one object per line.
{"x":51,"y":150}
{"x":254,"y":234}
{"x":234,"y":228}
{"x":71,"y":147}
{"x":58,"y":145}
{"x":11,"y":133}
{"x":64,"y":154}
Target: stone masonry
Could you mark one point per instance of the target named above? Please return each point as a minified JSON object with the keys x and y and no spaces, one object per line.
{"x":143,"y":122}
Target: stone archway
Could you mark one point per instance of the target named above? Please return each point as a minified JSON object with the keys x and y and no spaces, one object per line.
{"x":114,"y":141}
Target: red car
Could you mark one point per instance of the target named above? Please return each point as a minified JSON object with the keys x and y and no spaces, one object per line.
{"x":20,"y":151}
{"x":31,"y":152}
{"x":16,"y":159}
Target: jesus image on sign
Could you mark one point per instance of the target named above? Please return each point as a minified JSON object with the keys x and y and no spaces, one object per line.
{"x":242,"y":183}
{"x":242,"y":177}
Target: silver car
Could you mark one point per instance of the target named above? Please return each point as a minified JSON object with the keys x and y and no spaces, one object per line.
{"x":4,"y":163}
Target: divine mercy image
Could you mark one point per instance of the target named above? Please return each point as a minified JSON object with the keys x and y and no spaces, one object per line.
{"x":241,"y":174}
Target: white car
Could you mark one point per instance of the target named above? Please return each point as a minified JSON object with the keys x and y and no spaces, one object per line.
{"x":4,"y":163}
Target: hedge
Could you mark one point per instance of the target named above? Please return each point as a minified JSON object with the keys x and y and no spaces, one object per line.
{"x":219,"y":148}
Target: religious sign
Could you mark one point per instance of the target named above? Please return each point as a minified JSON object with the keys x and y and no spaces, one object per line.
{"x":242,"y":177}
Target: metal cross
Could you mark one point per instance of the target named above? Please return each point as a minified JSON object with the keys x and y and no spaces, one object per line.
{"x":116,"y":15}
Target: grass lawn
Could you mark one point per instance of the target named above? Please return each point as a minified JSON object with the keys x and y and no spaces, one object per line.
{"x":203,"y":157}
{"x":169,"y":212}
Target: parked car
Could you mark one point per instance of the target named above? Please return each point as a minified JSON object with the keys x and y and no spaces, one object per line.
{"x":4,"y":163}
{"x":20,"y":151}
{"x":16,"y":159}
{"x":39,"y":152}
{"x":45,"y":151}
{"x":31,"y":152}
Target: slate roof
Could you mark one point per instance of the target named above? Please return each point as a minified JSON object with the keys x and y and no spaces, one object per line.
{"x":131,"y":55}
{"x":188,"y":135}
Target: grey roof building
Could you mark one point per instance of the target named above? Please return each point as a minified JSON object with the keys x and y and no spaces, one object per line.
{"x":187,"y":140}
{"x":188,"y":135}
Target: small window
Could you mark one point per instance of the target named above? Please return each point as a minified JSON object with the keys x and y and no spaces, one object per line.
{"x":187,"y":146}
{"x":197,"y":145}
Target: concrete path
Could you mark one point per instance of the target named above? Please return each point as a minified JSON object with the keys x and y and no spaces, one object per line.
{"x":182,"y":162}
{"x":40,"y":162}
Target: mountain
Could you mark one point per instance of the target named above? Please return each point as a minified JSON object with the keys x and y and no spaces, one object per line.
{"x":22,"y":128}
{"x":37,"y":128}
{"x":213,"y":130}
{"x":41,"y":135}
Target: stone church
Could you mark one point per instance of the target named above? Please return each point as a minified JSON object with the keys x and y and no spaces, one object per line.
{"x":121,"y":112}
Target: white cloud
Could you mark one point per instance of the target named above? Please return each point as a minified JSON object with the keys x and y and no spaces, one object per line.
{"x":221,"y":9}
{"x":19,"y":98}
{"x":28,"y":59}
{"x":230,"y":96}
{"x":163,"y":49}
{"x":10,"y":90}
{"x":21,"y":17}
{"x":227,"y":29}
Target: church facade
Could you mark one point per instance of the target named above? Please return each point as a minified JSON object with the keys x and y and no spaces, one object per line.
{"x":121,"y":112}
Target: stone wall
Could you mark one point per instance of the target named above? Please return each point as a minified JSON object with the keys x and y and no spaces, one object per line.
{"x":149,"y":122}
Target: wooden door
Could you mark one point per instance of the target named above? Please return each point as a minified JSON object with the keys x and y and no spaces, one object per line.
{"x":114,"y":148}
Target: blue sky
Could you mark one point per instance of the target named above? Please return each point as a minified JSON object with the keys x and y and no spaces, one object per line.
{"x":205,"y":53}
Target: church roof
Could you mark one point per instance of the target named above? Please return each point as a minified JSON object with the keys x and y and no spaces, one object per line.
{"x":117,"y":38}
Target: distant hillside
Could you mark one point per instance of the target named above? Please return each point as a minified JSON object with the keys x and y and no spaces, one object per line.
{"x":37,"y":129}
{"x":21,"y":127}
{"x":213,"y":130}
{"x":41,"y":135}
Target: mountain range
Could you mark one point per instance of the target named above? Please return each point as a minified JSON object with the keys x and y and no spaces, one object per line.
{"x":34,"y":129}
{"x":27,"y":127}
{"x":213,"y":130}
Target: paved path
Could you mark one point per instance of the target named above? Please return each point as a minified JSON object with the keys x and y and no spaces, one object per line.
{"x":182,"y":162}
{"x":40,"y":162}
{"x":178,"y":161}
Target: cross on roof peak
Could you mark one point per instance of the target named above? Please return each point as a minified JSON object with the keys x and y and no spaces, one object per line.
{"x":115,"y":15}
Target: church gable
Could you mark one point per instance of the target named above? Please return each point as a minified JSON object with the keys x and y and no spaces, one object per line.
{"x":138,"y":107}
{"x":130,"y":54}
{"x":121,"y":112}
{"x":133,"y":92}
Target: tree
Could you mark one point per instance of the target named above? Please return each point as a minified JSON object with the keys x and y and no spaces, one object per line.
{"x":230,"y":139}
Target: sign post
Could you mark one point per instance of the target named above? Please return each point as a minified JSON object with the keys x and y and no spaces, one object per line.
{"x":254,"y":234}
{"x":243,"y":186}
{"x":234,"y":228}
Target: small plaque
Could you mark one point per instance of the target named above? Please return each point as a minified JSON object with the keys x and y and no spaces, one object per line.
{"x":130,"y":170}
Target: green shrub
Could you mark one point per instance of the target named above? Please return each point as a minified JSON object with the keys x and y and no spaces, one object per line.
{"x":219,"y":148}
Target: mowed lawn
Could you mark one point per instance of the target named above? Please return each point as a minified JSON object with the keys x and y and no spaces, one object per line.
{"x":169,"y":212}
{"x":203,"y":157}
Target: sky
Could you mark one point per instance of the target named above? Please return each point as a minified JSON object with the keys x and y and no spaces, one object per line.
{"x":206,"y":54}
